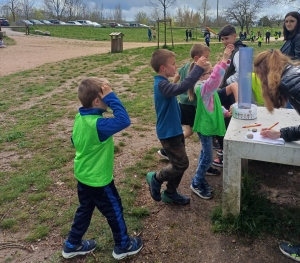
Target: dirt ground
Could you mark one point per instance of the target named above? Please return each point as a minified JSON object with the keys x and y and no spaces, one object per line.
{"x":171,"y":234}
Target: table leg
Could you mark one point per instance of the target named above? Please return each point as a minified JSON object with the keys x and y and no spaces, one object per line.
{"x":232,"y":176}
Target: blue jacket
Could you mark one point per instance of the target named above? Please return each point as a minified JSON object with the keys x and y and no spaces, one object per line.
{"x":168,"y":115}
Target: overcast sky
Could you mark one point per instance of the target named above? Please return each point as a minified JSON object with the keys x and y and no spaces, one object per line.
{"x":131,"y":7}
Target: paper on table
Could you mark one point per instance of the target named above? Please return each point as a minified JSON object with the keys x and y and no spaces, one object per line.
{"x":257,"y":137}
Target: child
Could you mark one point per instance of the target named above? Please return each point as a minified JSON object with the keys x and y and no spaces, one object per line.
{"x":2,"y":43}
{"x":168,"y":125}
{"x":187,"y":106}
{"x":209,"y":121}
{"x":228,"y":36}
{"x":259,"y":40}
{"x":93,"y":168}
{"x":276,"y":37}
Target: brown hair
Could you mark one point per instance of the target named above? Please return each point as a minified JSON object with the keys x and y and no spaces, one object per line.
{"x":269,"y":66}
{"x":89,"y":89}
{"x":198,"y":50}
{"x":160,"y":57}
{"x":191,"y":91}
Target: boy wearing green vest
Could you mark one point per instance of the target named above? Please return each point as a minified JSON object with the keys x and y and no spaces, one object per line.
{"x":93,"y":169}
{"x":209,"y":120}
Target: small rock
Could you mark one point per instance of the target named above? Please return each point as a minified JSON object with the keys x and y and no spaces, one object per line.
{"x":233,"y":241}
{"x":254,"y":130}
{"x":250,"y":136}
{"x":290,"y":173}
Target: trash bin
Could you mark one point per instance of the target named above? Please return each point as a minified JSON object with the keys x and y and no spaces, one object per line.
{"x":116,"y":42}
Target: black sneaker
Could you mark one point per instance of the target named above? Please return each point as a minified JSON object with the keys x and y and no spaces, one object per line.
{"x":85,"y":247}
{"x":134,"y":246}
{"x":219,"y":152}
{"x":290,"y":251}
{"x":213,"y":171}
{"x":176,"y":198}
{"x":201,"y":191}
{"x":154,"y":186}
{"x":163,"y":154}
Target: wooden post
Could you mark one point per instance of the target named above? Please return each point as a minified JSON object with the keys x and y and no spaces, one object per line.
{"x":158,"y":33}
{"x":171,"y":33}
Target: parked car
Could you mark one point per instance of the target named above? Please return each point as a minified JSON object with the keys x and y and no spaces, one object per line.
{"x":54,"y":21}
{"x":36,"y":22}
{"x":142,"y":25}
{"x":62,"y":23}
{"x":73,"y":23}
{"x":4,"y":22}
{"x":85,"y":22}
{"x":125,"y":24}
{"x":114,"y":24}
{"x":96,"y":24}
{"x":46,"y":22}
{"x":23,"y":22}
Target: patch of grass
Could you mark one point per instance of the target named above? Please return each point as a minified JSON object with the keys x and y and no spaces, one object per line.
{"x":122,"y":144}
{"x":258,"y":215}
{"x":9,"y":223}
{"x":39,"y":232}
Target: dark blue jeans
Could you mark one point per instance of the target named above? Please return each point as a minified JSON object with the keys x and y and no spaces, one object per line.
{"x":108,"y":202}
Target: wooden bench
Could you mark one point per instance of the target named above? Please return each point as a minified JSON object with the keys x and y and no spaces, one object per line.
{"x":25,"y":26}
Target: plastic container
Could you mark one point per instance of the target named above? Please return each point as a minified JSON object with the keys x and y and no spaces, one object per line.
{"x":245,"y":77}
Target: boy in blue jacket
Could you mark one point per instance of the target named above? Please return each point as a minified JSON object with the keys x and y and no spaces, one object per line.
{"x":93,"y":169}
{"x":168,"y":125}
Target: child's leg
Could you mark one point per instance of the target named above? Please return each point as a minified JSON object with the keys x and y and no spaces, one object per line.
{"x":188,"y":131}
{"x":108,"y":202}
{"x":179,"y":162}
{"x":205,"y":159}
{"x":83,"y":215}
{"x":232,"y":89}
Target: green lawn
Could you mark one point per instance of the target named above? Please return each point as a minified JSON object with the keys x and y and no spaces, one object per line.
{"x":36,"y":104}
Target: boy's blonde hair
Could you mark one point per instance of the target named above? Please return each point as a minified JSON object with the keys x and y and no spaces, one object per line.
{"x":160,"y":57}
{"x":89,"y":89}
{"x":198,"y":50}
{"x":269,"y":66}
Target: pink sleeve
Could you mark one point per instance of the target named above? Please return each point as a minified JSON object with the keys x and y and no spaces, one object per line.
{"x":213,"y":83}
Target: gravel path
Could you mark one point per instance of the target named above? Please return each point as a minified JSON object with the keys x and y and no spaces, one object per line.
{"x":32,"y":51}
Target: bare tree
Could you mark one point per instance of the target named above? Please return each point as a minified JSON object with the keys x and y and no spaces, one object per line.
{"x":156,"y":14}
{"x":186,"y":17}
{"x":56,"y":7}
{"x":203,"y":10}
{"x":294,"y":3}
{"x":117,"y":13}
{"x":244,"y":12}
{"x":13,"y":6}
{"x":72,"y":9}
{"x":277,"y":19}
{"x":141,"y":17}
{"x":163,"y":5}
{"x":26,"y":7}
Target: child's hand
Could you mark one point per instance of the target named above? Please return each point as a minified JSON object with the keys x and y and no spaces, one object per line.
{"x":106,"y":89}
{"x":202,"y":62}
{"x":227,"y":52}
{"x":176,"y":78}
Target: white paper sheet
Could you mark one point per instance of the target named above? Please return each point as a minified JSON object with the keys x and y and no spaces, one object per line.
{"x":257,"y":137}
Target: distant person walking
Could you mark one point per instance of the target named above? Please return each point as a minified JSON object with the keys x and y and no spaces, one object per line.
{"x":207,"y":38}
{"x":190,"y":34}
{"x":149,"y":34}
{"x":154,"y":33}
{"x":268,"y":34}
{"x":186,"y":35}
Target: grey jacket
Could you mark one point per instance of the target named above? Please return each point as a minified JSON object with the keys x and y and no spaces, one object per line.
{"x":290,"y":88}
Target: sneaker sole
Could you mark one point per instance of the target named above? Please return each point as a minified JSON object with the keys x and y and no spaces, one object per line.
{"x":197,"y":193}
{"x":124,"y":255}
{"x":212,"y":173}
{"x":163,"y":156}
{"x":74,"y":254}
{"x":289,"y":256}
{"x":218,"y":164}
{"x":168,"y":200}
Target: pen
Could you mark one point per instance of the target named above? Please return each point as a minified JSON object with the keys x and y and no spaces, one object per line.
{"x":250,"y":126}
{"x":273,"y":126}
